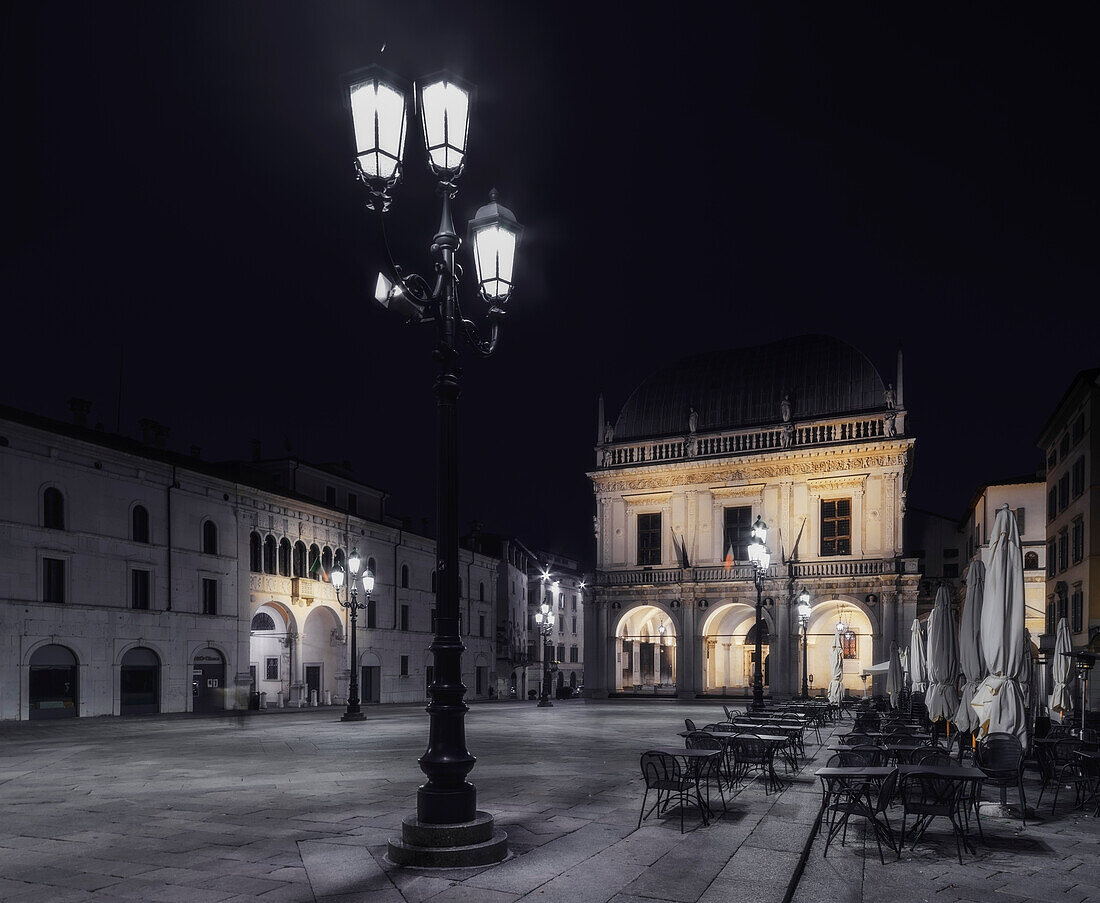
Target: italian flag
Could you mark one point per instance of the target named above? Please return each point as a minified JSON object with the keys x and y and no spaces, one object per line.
{"x":728,"y":563}
{"x":317,"y":573}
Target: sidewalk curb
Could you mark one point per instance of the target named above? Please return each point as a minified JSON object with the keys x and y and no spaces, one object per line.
{"x":796,"y":875}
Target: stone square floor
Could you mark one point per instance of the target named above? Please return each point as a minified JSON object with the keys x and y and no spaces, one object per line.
{"x":289,"y":806}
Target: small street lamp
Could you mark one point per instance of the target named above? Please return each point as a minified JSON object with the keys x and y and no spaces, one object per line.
{"x":544,"y":618}
{"x":1084,"y":661}
{"x":352,"y":603}
{"x":446,"y":804}
{"x":760,"y":558}
{"x":804,"y":621}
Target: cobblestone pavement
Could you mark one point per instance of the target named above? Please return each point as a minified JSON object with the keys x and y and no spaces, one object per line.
{"x":297,"y":806}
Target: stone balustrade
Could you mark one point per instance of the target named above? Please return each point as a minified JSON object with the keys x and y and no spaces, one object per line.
{"x":795,"y":570}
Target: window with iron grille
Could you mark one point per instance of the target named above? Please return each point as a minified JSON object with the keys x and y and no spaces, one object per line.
{"x":649,"y":539}
{"x":209,"y":596}
{"x":271,"y":668}
{"x":1077,"y":610}
{"x":836,"y":527}
{"x":850,"y":646}
{"x":737,"y":531}
{"x":139,"y":589}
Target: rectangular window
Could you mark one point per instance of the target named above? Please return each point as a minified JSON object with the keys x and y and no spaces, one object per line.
{"x":561,"y":653}
{"x":330,"y":496}
{"x":1063,"y":604}
{"x":372,"y":614}
{"x":53,"y":580}
{"x":574,"y":626}
{"x":1052,"y":503}
{"x":1063,"y":446}
{"x":1077,"y":611}
{"x":836,"y":527}
{"x":574,"y":654}
{"x":271,"y":668}
{"x":1078,"y":540}
{"x":404,"y":617}
{"x":1052,"y":558}
{"x":481,"y":625}
{"x":139,"y":589}
{"x":850,"y":646}
{"x":649,"y":539}
{"x":1021,"y":520}
{"x":353,"y":503}
{"x":404,"y":666}
{"x":1078,"y":476}
{"x":1078,"y":428}
{"x":737,"y":531}
{"x":1063,"y":549}
{"x":1052,"y":624}
{"x":573,"y":602}
{"x":209,"y":596}
{"x":1063,"y":492}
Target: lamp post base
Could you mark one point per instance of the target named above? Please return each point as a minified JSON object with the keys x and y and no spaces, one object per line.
{"x":353,"y":716}
{"x":462,"y":845}
{"x":545,"y":703}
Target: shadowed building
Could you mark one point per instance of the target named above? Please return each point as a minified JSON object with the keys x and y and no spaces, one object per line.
{"x":803,"y":433}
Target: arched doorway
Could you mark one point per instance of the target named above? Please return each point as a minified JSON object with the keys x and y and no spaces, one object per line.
{"x":645,"y":659}
{"x":52,"y":683}
{"x":270,"y":657}
{"x":729,"y":649}
{"x":323,"y":654}
{"x":208,"y":681}
{"x":139,"y":682}
{"x":370,"y":679}
{"x":828,"y":619}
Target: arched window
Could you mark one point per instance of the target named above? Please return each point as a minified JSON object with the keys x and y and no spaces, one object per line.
{"x":269,"y":554}
{"x":139,"y":524}
{"x":338,"y":559}
{"x":404,"y":576}
{"x":299,"y":559}
{"x":263,"y":621}
{"x":372,"y":566}
{"x":1031,"y":561}
{"x":284,"y":557}
{"x":314,"y":562}
{"x":210,"y":537}
{"x":433,"y":582}
{"x":481,"y":592}
{"x":255,"y":553}
{"x":53,"y":509}
{"x":326,"y":560}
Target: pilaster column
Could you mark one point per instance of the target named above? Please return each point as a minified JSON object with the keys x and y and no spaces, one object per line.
{"x":636,"y":657}
{"x":657,"y":661}
{"x":781,"y":647}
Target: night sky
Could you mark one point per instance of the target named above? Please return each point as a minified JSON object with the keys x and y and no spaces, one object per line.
{"x":180,"y":195}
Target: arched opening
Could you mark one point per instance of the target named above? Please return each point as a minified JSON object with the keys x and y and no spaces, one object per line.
{"x":284,"y":557}
{"x":139,"y":524}
{"x":210,"y":537}
{"x":208,"y":681}
{"x":299,"y":559}
{"x":139,"y":682}
{"x":831,"y":618}
{"x":269,"y":554}
{"x":645,"y":660}
{"x":53,"y":509}
{"x":52,"y":683}
{"x":370,"y":678}
{"x":270,"y":653}
{"x":323,"y":654}
{"x":255,"y":553}
{"x":326,"y":561}
{"x":404,"y":576}
{"x":729,"y":649}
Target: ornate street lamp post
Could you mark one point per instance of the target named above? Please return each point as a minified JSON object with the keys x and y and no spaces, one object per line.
{"x":804,"y":621}
{"x":760,"y":558}
{"x":544,"y":618}
{"x":446,"y":805}
{"x":354,"y":606}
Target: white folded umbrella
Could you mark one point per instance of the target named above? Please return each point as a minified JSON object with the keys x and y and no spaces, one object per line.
{"x":836,"y":685}
{"x":917,"y":658}
{"x":970,"y":651}
{"x":1061,"y":700}
{"x":943,"y":660}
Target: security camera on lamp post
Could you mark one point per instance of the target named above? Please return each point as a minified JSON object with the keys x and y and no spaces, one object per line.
{"x":378,"y":105}
{"x":761,"y":560}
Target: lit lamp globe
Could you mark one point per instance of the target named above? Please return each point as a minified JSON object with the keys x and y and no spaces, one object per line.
{"x":804,"y":610}
{"x":354,"y":563}
{"x":368,"y":581}
{"x":445,"y":115}
{"x":494,"y":233}
{"x":337,"y":577}
{"x":377,"y":102}
{"x":758,"y":549}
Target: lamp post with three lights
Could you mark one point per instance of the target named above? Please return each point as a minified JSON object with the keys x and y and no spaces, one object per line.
{"x":761,"y":559}
{"x":354,"y":606}
{"x":544,"y":618}
{"x":804,"y":622}
{"x":447,"y":830}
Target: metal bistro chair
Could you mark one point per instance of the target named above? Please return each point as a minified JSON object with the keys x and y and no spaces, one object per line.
{"x":928,"y":797}
{"x":855,"y":739}
{"x":931,"y":755}
{"x":662,"y":772}
{"x":1052,"y":760}
{"x":1001,"y":757}
{"x":708,"y":769}
{"x":864,"y":806}
{"x":751,"y":753}
{"x":875,"y":755}
{"x":1071,"y":771}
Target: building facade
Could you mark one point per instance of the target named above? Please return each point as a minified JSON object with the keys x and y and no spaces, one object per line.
{"x":803,"y":433}
{"x":1071,"y":445}
{"x":136,"y":580}
{"x":559,"y":583}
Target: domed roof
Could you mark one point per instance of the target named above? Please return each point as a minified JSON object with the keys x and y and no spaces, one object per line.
{"x":744,"y":387}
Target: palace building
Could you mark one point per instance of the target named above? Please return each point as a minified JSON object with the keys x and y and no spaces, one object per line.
{"x":803,"y":433}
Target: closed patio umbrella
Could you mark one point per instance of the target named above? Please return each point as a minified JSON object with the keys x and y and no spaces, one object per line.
{"x":999,"y":701}
{"x":905,"y":665}
{"x":1061,"y":701}
{"x":917,"y":657}
{"x":895,"y":680}
{"x":836,"y":684}
{"x":970,"y":651}
{"x":943,"y":660}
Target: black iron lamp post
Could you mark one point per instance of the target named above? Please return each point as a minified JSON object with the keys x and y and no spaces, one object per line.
{"x":354,"y":606}
{"x":804,"y":622}
{"x":544,"y":618}
{"x":761,"y":559}
{"x":377,"y":102}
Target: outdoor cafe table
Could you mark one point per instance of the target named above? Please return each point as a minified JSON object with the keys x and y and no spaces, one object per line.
{"x":847,"y":778}
{"x":1091,"y":758}
{"x":691,"y":758}
{"x":772,"y":743}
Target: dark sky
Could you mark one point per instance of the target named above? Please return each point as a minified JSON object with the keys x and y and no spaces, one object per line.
{"x":179,"y":185}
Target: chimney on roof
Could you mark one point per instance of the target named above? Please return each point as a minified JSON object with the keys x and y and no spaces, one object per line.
{"x":256,"y":456}
{"x":80,"y":408}
{"x":153,"y":433}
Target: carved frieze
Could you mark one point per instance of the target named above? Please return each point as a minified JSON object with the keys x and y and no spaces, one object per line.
{"x":752,"y":490}
{"x":835,"y":484}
